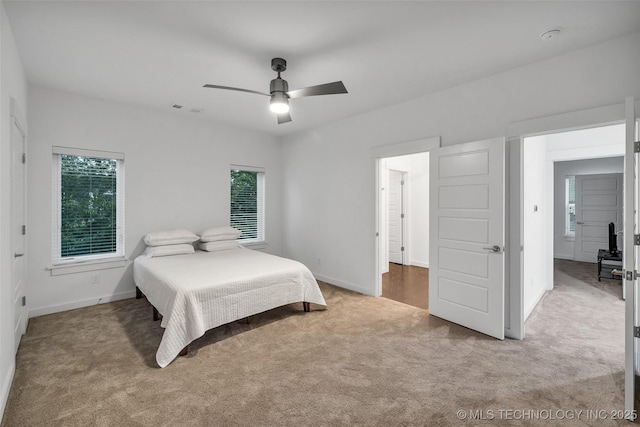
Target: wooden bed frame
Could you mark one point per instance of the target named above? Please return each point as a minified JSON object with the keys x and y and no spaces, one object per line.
{"x":157,"y":316}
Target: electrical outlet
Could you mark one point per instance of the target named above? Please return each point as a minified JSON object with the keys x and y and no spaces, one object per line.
{"x":95,"y":278}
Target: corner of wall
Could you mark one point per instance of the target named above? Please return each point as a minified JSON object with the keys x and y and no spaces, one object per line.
{"x":6,"y":388}
{"x":343,"y":284}
{"x":13,"y":84}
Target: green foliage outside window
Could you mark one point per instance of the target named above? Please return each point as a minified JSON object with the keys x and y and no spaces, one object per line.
{"x":88,"y":206}
{"x":244,"y":203}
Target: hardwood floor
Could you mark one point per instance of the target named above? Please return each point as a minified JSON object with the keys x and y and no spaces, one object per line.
{"x":410,"y":285}
{"x":407,"y":284}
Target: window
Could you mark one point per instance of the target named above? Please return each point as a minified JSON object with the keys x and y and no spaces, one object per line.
{"x":570,"y":206}
{"x":88,"y":205}
{"x":247,"y":203}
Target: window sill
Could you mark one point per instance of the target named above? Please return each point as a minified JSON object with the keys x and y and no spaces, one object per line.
{"x":89,"y":265}
{"x":254,"y":245}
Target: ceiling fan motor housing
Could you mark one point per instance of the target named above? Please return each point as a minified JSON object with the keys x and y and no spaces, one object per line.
{"x":279,"y":85}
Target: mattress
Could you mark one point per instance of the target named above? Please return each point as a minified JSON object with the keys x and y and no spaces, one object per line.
{"x":200,"y":291}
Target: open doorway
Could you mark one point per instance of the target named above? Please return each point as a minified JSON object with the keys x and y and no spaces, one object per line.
{"x":588,"y":215}
{"x":559,"y":240}
{"x":403,"y":211}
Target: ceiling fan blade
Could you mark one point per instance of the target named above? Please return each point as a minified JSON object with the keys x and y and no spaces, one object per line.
{"x":284,"y":118}
{"x":333,"y":88}
{"x":236,"y":88}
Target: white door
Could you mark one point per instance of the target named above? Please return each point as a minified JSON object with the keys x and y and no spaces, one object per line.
{"x":598,"y":202}
{"x":630,"y":258}
{"x":466,"y":267}
{"x":18,"y":228}
{"x":396,"y":217}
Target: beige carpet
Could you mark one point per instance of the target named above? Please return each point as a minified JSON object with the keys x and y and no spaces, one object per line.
{"x":363,"y":361}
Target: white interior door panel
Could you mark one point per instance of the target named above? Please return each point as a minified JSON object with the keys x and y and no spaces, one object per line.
{"x":466,"y":274}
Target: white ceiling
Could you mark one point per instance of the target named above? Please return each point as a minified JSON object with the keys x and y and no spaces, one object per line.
{"x":157,"y":53}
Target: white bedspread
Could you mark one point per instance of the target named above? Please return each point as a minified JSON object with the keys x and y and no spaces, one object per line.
{"x":197,"y":292}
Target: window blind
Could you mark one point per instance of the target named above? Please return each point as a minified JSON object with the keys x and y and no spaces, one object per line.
{"x":247,"y":203}
{"x":88,"y":207}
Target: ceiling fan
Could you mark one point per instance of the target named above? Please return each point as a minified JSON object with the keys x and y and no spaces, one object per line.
{"x":280,"y":93}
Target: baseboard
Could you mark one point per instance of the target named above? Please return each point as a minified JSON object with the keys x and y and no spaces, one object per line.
{"x":6,"y":388}
{"x":419,"y":264}
{"x":562,"y":256}
{"x":42,"y":311}
{"x":529,"y":310}
{"x":343,"y":284}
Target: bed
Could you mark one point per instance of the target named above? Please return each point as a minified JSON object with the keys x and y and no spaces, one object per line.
{"x":197,"y":292}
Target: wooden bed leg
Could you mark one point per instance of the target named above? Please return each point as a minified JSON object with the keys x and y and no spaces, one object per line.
{"x":306,"y":306}
{"x":184,"y":351}
{"x":138,"y":293}
{"x":156,"y":315}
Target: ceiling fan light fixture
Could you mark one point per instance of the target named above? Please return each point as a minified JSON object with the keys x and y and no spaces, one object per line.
{"x":279,"y":103}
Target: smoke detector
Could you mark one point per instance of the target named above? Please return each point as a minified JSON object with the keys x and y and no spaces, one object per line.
{"x":551,"y":34}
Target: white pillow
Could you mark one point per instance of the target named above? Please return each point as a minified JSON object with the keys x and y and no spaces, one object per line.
{"x":172,"y":237}
{"x":222,"y":245}
{"x":219,"y":233}
{"x":166,"y":250}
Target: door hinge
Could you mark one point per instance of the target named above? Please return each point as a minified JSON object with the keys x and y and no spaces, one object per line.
{"x":636,"y":331}
{"x":24,"y":157}
{"x":636,"y":147}
{"x":636,"y":239}
{"x":402,"y":216}
{"x":402,"y":249}
{"x":24,"y":300}
{"x":401,"y":182}
{"x":631,"y":275}
{"x":24,"y":230}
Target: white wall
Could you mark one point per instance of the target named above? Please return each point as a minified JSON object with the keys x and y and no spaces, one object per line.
{"x":176,"y":176}
{"x":329,"y":199}
{"x":12,"y":84}
{"x":534,"y":207}
{"x":564,"y":246}
{"x":417,"y":206}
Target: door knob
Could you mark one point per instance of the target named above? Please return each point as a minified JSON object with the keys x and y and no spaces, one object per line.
{"x":17,"y":255}
{"x":494,"y":248}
